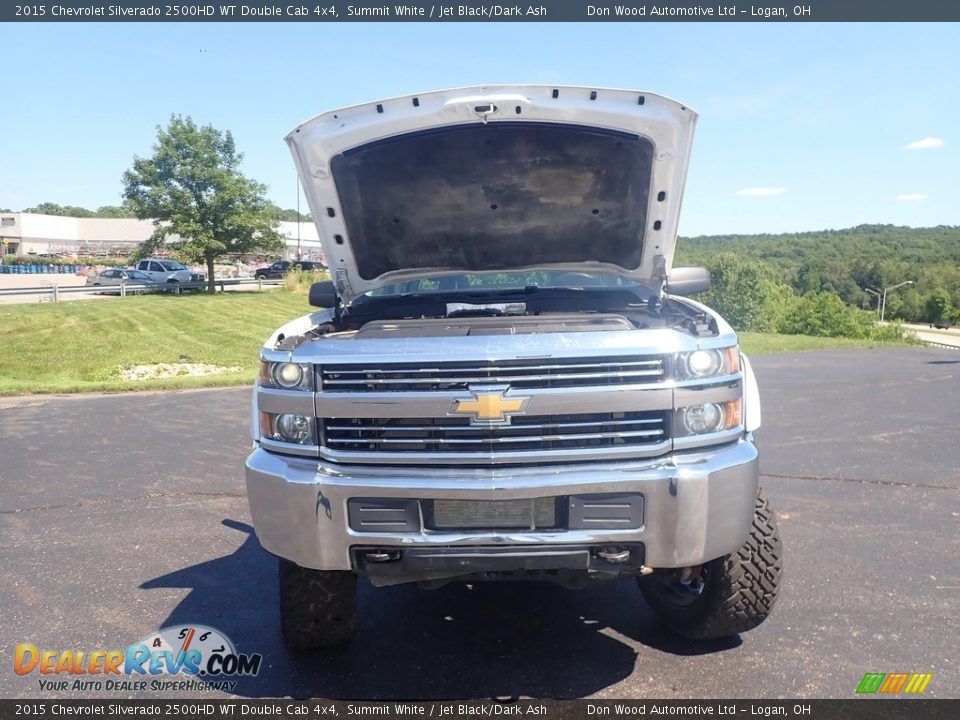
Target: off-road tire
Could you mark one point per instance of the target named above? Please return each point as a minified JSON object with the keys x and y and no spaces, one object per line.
{"x":740,"y":589}
{"x":317,"y":608}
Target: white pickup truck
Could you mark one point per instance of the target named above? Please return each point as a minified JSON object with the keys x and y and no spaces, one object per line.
{"x":507,"y":380}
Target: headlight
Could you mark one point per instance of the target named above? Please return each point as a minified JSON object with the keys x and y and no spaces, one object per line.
{"x":286,"y":427}
{"x":286,"y":375}
{"x":704,"y":363}
{"x":708,"y":418}
{"x":714,"y":362}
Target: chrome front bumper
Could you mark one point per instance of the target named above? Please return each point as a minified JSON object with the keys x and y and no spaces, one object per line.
{"x":698,"y":505}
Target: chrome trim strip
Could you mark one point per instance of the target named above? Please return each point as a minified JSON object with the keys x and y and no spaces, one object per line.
{"x":509,"y":439}
{"x":549,"y":401}
{"x":343,"y":370}
{"x":494,"y":379}
{"x":289,"y":448}
{"x":698,"y":441}
{"x":708,"y":381}
{"x":275,"y":356}
{"x":687,"y":396}
{"x":296,"y":402}
{"x":478,"y":428}
{"x":555,"y":457}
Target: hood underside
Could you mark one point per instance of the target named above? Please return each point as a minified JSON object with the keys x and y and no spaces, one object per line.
{"x":494,"y":179}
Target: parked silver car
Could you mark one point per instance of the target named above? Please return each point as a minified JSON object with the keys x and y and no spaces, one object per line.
{"x":114,"y":277}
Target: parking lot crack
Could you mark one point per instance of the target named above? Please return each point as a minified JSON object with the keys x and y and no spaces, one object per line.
{"x":113,"y":501}
{"x":896,"y":483}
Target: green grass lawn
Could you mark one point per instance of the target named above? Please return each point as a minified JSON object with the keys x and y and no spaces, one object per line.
{"x":754,"y":343}
{"x":82,"y":346}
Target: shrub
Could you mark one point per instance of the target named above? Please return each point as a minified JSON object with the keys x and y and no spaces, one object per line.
{"x":299,"y":281}
{"x":825,"y":314}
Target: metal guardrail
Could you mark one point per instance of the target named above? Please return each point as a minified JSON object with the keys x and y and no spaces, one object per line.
{"x":125,"y":288}
{"x":934,"y":343}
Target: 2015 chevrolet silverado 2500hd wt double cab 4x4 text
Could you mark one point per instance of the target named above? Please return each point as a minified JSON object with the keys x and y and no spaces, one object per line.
{"x":508,"y":381}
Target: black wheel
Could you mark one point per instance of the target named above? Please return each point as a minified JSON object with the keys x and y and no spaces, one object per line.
{"x":726,"y":596}
{"x":260,"y":276}
{"x":317,"y":608}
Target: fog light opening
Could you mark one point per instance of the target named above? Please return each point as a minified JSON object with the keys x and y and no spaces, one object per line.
{"x":293,"y":428}
{"x":706,"y":418}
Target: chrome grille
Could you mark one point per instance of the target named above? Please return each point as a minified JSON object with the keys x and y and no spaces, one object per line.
{"x":520,"y":374}
{"x":527,"y":433}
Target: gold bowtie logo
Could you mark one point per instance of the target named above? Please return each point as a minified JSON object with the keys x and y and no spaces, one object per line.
{"x":489,"y":407}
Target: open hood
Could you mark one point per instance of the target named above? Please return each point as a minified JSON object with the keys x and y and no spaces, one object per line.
{"x":496,"y":178}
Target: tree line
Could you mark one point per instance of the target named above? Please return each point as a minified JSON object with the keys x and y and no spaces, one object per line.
{"x":124,"y":211}
{"x":780,"y":276}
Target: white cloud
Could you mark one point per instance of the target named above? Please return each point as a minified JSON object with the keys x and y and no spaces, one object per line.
{"x":761,"y":191}
{"x":925,"y":144}
{"x":912,"y":197}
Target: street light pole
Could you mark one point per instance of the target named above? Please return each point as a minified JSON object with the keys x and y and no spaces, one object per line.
{"x":874,"y":292}
{"x":883,"y":308}
{"x":298,"y":217}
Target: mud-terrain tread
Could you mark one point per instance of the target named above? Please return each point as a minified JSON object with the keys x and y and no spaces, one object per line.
{"x":317,"y":608}
{"x":744,"y":585}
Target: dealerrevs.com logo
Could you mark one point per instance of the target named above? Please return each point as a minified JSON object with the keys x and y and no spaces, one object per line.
{"x":182,"y":657}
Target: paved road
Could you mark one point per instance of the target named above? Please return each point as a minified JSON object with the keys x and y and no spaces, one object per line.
{"x":949,"y":336}
{"x":122,"y":514}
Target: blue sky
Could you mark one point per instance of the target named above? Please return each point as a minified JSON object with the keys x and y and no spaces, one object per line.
{"x":802,"y":126}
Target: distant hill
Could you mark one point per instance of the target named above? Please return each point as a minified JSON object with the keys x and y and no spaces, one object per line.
{"x":847,"y":261}
{"x":865,"y":243}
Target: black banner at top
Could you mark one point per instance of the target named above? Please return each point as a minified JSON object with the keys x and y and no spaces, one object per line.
{"x":333,"y":11}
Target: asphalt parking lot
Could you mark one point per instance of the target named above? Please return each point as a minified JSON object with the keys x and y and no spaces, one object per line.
{"x":123,"y":514}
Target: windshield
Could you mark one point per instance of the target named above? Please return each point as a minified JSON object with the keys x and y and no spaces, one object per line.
{"x":171,"y":265}
{"x":504,"y":281}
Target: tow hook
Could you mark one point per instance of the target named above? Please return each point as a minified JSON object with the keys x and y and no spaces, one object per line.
{"x":381,"y":556}
{"x":690,"y":574}
{"x":613,"y":554}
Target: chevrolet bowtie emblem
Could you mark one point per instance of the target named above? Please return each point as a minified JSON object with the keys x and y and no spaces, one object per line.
{"x":489,"y":407}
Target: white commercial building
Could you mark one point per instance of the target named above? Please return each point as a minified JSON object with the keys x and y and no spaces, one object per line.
{"x":29,"y":234}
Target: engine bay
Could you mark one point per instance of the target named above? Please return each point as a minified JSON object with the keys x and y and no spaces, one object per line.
{"x":509,"y":312}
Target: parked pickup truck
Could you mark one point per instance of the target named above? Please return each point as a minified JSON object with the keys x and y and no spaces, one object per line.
{"x":162,"y":270}
{"x":507,"y":380}
{"x":282,"y":267}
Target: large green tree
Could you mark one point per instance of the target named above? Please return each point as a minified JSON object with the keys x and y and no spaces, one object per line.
{"x":192,"y":187}
{"x":939,"y":307}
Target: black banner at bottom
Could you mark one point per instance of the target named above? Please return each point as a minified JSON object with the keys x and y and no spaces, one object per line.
{"x":854,"y":709}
